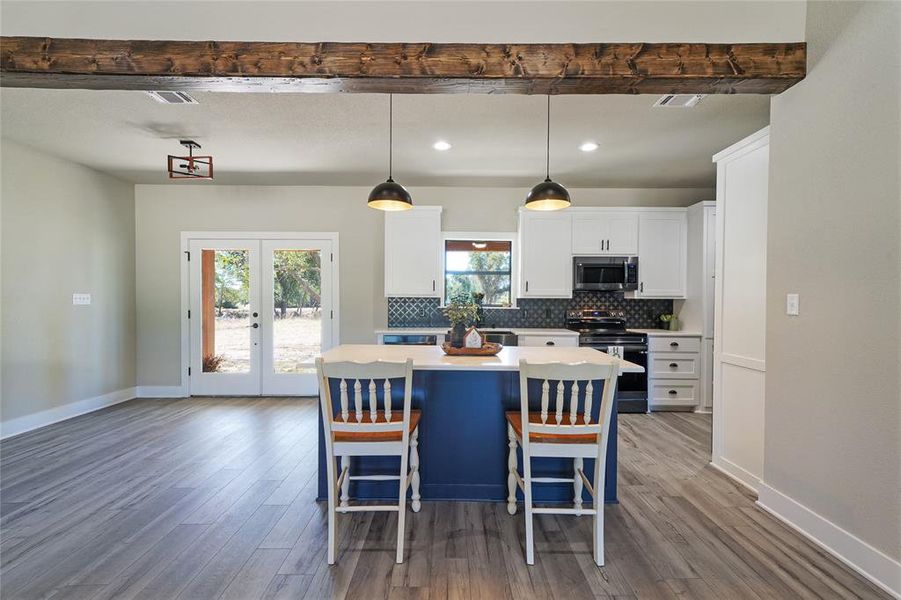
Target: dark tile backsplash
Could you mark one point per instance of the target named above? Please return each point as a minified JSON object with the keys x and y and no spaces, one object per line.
{"x":532,"y":312}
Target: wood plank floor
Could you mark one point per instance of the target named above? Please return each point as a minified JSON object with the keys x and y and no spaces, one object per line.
{"x":214,"y":498}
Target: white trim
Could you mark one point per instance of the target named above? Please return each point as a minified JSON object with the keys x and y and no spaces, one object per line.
{"x":872,"y":563}
{"x":160,"y":391}
{"x":736,"y":473}
{"x":184,"y":386}
{"x":754,"y":141}
{"x":64,"y":412}
{"x":490,"y":236}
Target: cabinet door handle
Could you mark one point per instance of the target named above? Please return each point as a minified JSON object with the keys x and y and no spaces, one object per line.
{"x":527,"y":286}
{"x":433,"y":285}
{"x":674,"y":344}
{"x":673,"y":365}
{"x":608,"y":244}
{"x":672,"y":392}
{"x":641,"y":287}
{"x":549,"y":343}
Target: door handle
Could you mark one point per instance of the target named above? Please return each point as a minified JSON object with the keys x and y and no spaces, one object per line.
{"x":255,"y":325}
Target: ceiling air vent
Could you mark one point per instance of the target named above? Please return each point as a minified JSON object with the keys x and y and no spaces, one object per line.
{"x":173,"y":97}
{"x":679,"y":100}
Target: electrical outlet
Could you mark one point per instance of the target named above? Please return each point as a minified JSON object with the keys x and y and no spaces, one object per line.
{"x":792,"y":305}
{"x":81,"y":299}
{"x":547,"y":313}
{"x":421,"y":311}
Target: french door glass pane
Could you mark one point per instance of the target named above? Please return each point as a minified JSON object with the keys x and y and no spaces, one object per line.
{"x":297,"y":322}
{"x":225,"y":319}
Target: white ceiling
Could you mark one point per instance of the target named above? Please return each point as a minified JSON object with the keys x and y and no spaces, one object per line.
{"x":341,"y":139}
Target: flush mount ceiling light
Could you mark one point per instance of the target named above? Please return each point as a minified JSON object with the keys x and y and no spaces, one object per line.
{"x":588,"y":147}
{"x":390,"y":195}
{"x":548,"y":195}
{"x":190,"y":166}
{"x":441,"y":145}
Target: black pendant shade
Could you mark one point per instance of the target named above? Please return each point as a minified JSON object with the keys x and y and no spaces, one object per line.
{"x":548,"y":195}
{"x":390,"y":195}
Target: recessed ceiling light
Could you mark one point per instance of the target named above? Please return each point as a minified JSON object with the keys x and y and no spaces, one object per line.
{"x":588,"y":147}
{"x":441,"y":145}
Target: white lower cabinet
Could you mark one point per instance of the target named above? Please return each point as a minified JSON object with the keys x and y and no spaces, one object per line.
{"x":562,"y":341}
{"x":674,"y":371}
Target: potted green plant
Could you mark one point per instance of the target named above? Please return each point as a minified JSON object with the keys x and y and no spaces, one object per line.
{"x":461,"y":312}
{"x":669,"y":321}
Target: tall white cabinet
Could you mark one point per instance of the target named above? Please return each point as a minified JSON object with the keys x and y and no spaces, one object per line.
{"x":697,"y":311}
{"x":413,"y":252}
{"x":739,"y":358}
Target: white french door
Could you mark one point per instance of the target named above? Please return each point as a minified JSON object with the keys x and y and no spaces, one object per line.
{"x":260,"y":312}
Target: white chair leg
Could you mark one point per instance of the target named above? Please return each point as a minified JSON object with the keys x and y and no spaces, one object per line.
{"x":402,"y":506}
{"x":527,"y":492}
{"x":511,"y":471}
{"x":345,"y":485}
{"x":415,"y":504}
{"x":599,"y":474}
{"x":332,"y":481}
{"x":577,"y":485}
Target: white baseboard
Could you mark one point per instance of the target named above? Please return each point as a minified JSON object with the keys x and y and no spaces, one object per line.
{"x":61,"y":413}
{"x":736,"y":473}
{"x":161,"y":391}
{"x":870,"y":562}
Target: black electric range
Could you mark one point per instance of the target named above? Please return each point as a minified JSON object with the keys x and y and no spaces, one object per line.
{"x":606,"y":331}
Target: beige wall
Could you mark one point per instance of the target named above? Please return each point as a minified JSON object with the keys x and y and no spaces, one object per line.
{"x":65,"y":229}
{"x":164,"y":211}
{"x":832,"y":406}
{"x":722,"y":21}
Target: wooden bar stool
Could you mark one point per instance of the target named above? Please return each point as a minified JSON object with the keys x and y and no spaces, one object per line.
{"x":354,"y":431}
{"x":563,"y":433}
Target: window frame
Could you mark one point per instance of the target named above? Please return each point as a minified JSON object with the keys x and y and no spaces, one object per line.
{"x":484,"y":236}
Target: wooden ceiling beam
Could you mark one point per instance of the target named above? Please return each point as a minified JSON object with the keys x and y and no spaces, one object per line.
{"x":415,"y":68}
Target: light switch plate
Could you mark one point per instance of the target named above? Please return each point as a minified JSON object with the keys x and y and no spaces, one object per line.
{"x":792,"y":305}
{"x":81,"y":299}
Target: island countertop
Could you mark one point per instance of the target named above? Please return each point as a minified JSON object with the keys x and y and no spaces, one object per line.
{"x":432,"y":358}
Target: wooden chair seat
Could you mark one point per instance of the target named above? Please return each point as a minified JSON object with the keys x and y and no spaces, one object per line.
{"x":514,"y":418}
{"x":379,"y":436}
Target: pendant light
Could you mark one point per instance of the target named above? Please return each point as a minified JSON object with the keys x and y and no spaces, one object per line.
{"x":548,"y":195}
{"x":390,"y":195}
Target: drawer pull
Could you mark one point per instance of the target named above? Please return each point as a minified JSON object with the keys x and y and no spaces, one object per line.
{"x":674,"y":344}
{"x":549,"y":343}
{"x":672,"y":392}
{"x":673,"y":365}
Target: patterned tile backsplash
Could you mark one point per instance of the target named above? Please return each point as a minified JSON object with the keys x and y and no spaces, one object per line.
{"x":531,"y":312}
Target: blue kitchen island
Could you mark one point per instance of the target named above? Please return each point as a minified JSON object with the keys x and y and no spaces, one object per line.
{"x":463,"y":431}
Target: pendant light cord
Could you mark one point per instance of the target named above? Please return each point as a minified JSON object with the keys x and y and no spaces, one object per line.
{"x":548,"y":155}
{"x":390,"y":136}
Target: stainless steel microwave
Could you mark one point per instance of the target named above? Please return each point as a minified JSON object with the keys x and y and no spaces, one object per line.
{"x":605,"y":273}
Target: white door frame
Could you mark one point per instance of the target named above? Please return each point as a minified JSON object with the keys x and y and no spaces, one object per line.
{"x":185,"y":273}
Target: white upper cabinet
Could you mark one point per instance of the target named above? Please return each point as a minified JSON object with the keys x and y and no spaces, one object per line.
{"x":599,"y":232}
{"x":413,"y":252}
{"x":545,"y":254}
{"x":662,"y":254}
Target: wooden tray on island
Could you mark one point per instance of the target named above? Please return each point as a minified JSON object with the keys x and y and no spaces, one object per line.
{"x":488,"y":349}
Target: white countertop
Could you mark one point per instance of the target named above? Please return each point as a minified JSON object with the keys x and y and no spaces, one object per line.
{"x":667,"y":332}
{"x":432,"y":358}
{"x":439,"y":330}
